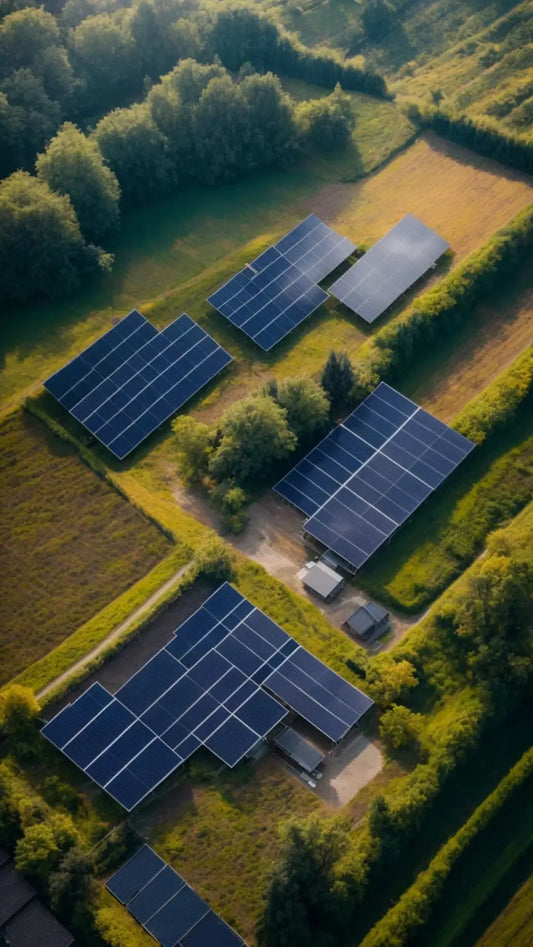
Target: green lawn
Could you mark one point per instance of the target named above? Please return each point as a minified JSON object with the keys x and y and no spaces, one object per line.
{"x":446,"y":534}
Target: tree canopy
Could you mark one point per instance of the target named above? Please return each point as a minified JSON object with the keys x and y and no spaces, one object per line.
{"x":306,"y":405}
{"x":304,"y":900}
{"x":73,"y":165}
{"x":32,"y":217}
{"x":253,"y":435}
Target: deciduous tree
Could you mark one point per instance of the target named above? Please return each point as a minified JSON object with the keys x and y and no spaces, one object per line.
{"x":254,"y":435}
{"x":73,"y":165}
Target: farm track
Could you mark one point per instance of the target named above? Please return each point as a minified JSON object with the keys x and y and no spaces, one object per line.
{"x":117,"y":632}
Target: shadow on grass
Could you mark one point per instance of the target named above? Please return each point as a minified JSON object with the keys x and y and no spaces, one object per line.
{"x":497,"y":752}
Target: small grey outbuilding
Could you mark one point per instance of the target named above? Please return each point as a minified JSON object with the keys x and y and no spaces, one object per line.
{"x":322,"y":581}
{"x":369,"y":620}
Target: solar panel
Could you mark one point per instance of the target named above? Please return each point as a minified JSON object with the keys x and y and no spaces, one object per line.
{"x":371,"y":473}
{"x":273,"y":294}
{"x":166,"y":906}
{"x":135,"y":874}
{"x":234,"y":662}
{"x":124,"y":385}
{"x":389,"y":268}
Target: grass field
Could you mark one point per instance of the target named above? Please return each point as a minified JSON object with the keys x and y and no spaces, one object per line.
{"x":426,"y":179}
{"x":487,"y":74}
{"x":167,"y":243}
{"x":71,"y":543}
{"x":472,"y":55}
{"x":225,"y":838}
{"x":514,"y":926}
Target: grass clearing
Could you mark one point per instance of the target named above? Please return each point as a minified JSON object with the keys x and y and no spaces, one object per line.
{"x":224,"y":840}
{"x":425,"y":179}
{"x":443,"y":537}
{"x":71,"y":543}
{"x":171,"y":241}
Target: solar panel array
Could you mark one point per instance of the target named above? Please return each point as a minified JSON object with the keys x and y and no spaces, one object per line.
{"x":276,"y":291}
{"x":371,"y":473}
{"x":124,"y":385}
{"x":166,"y":906}
{"x":389,"y":268}
{"x":218,"y":683}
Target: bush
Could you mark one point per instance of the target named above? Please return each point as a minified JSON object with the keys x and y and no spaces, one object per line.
{"x":399,"y":727}
{"x":496,"y":407}
{"x":19,"y":712}
{"x":215,"y":559}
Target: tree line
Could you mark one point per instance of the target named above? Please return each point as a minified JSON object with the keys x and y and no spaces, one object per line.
{"x":415,"y":906}
{"x":93,"y":57}
{"x":199,"y":124}
{"x":514,"y":151}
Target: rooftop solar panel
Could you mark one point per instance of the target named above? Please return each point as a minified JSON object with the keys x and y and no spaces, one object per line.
{"x":124,"y":385}
{"x":389,"y":268}
{"x":166,"y":906}
{"x":216,"y":695}
{"x":273,"y":294}
{"x":371,"y":473}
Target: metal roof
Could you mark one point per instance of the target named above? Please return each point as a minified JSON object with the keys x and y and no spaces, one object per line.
{"x":322,"y":580}
{"x":300,"y":750}
{"x":366,"y":617}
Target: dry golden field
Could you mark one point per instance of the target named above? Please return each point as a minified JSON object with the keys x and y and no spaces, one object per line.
{"x":70,"y":543}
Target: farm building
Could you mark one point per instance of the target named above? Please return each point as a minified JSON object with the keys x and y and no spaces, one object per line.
{"x":368,"y":621}
{"x":322,"y":581}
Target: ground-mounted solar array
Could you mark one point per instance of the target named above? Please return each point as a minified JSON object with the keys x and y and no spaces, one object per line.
{"x":278,"y":290}
{"x":389,"y":268}
{"x":371,"y":473}
{"x":124,"y":385}
{"x":166,"y":906}
{"x":224,"y":681}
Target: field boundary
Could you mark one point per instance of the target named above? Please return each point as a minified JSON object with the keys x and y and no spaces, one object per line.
{"x":125,"y":615}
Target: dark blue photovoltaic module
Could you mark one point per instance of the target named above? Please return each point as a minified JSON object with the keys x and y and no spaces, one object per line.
{"x":225,"y":681}
{"x":371,"y":473}
{"x":124,"y":385}
{"x":278,"y":290}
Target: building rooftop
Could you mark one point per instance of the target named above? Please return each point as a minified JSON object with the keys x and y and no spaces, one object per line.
{"x":322,"y":580}
{"x":365,"y":618}
{"x":24,"y":921}
{"x":300,"y":750}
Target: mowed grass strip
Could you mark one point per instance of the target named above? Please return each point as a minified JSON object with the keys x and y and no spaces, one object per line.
{"x":70,"y":543}
{"x":514,"y":926}
{"x":225,"y":839}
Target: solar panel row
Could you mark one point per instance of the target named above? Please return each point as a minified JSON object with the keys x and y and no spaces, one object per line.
{"x":371,"y":473}
{"x":389,"y":268}
{"x":278,"y":290}
{"x":218,"y":683}
{"x":124,"y":385}
{"x":166,"y":906}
